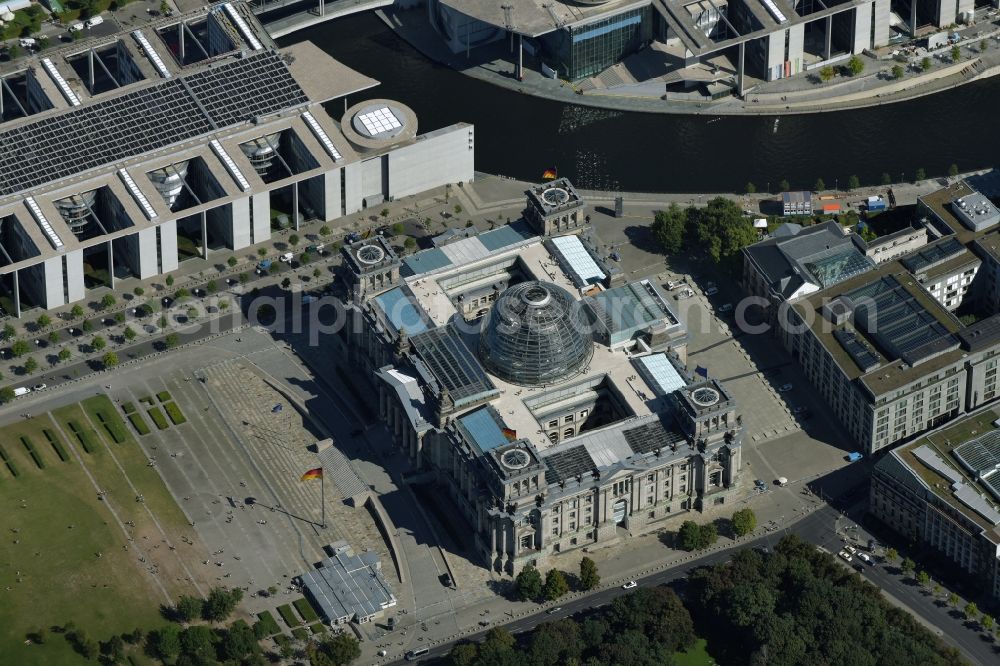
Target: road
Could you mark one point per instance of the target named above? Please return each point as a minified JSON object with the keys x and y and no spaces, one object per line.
{"x":817,"y":528}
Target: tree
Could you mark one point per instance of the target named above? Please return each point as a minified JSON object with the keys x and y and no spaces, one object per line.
{"x":853,"y":182}
{"x":956,"y":53}
{"x":170,"y":280}
{"x":744,"y":522}
{"x":120,"y":317}
{"x":238,"y":642}
{"x":324,"y":231}
{"x":826,"y":73}
{"x":855,"y":65}
{"x":669,"y":227}
{"x":286,"y":283}
{"x":98,"y":343}
{"x":707,"y":535}
{"x":342,"y":649}
{"x":30,"y":364}
{"x":886,"y":178}
{"x":171,"y":341}
{"x":232,"y":261}
{"x":8,"y":331}
{"x":162,"y":321}
{"x":64,"y":354}
{"x":115,"y":649}
{"x":305,"y":258}
{"x":165,"y":8}
{"x":589,"y":578}
{"x":555,"y":584}
{"x":784,"y":186}
{"x":820,"y":185}
{"x":953,"y":170}
{"x":907,"y":565}
{"x":87,"y":326}
{"x":165,"y":643}
{"x":926,"y":63}
{"x":212,"y":286}
{"x":983,"y":44}
{"x":181,"y":294}
{"x":317,"y":273}
{"x":891,"y":555}
{"x":920,"y":175}
{"x":384,"y":213}
{"x":528,"y":583}
{"x":898,"y":71}
{"x":54,"y":337}
{"x":953,"y":600}
{"x":220,"y":603}
{"x":6,"y":394}
{"x":192,"y":313}
{"x":458,"y":209}
{"x":198,"y":641}
{"x":396,"y":229}
{"x":987,"y":621}
{"x":923,"y":578}
{"x":751,"y":188}
{"x":410,"y":243}
{"x":261,"y":252}
{"x":110,"y":359}
{"x":971,"y":611}
{"x":43,"y":321}
{"x":108,"y":300}
{"x":20,"y":348}
{"x":721,"y":229}
{"x":464,"y":654}
{"x":293,"y":240}
{"x":138,"y":291}
{"x":689,"y":535}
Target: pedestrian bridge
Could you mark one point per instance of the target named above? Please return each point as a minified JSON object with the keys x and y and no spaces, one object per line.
{"x":283,"y":17}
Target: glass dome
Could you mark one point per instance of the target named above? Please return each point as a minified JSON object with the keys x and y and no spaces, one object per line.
{"x":535,"y":334}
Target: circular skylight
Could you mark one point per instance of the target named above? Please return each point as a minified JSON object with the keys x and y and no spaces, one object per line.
{"x":705,"y":397}
{"x":555,"y":196}
{"x":370,"y":254}
{"x":515,"y":459}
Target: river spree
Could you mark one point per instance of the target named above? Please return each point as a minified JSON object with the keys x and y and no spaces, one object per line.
{"x":518,"y":135}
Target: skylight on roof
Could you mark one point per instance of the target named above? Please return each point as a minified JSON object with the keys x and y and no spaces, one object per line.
{"x":379,"y":121}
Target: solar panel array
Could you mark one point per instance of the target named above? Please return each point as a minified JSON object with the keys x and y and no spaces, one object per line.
{"x":452,"y":363}
{"x":379,"y":121}
{"x":865,"y":358}
{"x":144,"y":120}
{"x":933,"y":254}
{"x":981,"y":457}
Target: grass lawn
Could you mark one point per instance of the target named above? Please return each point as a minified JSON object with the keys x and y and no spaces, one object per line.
{"x":158,"y":418}
{"x":696,"y":656}
{"x":164,"y":396}
{"x":288,"y":615}
{"x":103,"y":413}
{"x":62,"y":579}
{"x":175,"y":413}
{"x":305,"y":609}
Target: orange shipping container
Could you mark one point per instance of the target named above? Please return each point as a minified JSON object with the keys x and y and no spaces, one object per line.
{"x":831,"y":208}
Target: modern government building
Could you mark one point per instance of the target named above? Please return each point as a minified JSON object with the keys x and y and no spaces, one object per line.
{"x":901,"y":338}
{"x":765,"y":39}
{"x":546,"y":396}
{"x":123,"y":156}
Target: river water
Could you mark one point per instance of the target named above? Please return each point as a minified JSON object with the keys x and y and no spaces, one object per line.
{"x":520,"y":136}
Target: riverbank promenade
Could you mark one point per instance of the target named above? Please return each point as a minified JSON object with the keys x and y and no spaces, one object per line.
{"x":876,"y":85}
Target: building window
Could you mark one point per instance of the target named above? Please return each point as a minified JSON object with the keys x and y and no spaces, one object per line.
{"x":554,"y":423}
{"x":568,"y":419}
{"x":568,"y":432}
{"x":584,"y":413}
{"x":526,"y":541}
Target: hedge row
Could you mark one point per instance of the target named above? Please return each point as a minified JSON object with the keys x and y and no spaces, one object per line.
{"x":158,"y":418}
{"x":164,"y":396}
{"x":269,"y":627}
{"x":115,"y":428}
{"x":128,"y":408}
{"x":56,"y":444}
{"x":288,"y":615}
{"x":84,"y":436}
{"x":138,"y":423}
{"x":175,"y":413}
{"x":305,"y":609}
{"x":33,"y":453}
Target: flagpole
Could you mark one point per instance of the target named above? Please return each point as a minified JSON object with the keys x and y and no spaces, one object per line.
{"x":322,"y":494}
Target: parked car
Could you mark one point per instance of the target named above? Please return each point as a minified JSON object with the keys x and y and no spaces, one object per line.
{"x":851,"y":549}
{"x":785,"y":388}
{"x":553,"y":611}
{"x":866,"y":558}
{"x":76,"y":27}
{"x":629,"y":585}
{"x":711,"y":291}
{"x":671,"y":285}
{"x":39,"y":387}
{"x":684,"y":293}
{"x":725,"y":307}
{"x":799,"y":409}
{"x":845,"y":555}
{"x":94,"y":21}
{"x":759,"y":484}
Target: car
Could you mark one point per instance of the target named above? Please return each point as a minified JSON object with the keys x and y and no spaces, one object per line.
{"x":671,"y":285}
{"x":851,"y":549}
{"x":553,"y":611}
{"x":760,"y":483}
{"x":711,"y":291}
{"x":382,"y":653}
{"x":866,"y":558}
{"x":799,"y":409}
{"x":630,"y":585}
{"x":725,"y":307}
{"x":684,"y":293}
{"x":860,"y":568}
{"x":785,"y":388}
{"x":39,"y":387}
{"x":94,"y":21}
{"x":76,"y":27}
{"x":445,"y":579}
{"x":845,"y":556}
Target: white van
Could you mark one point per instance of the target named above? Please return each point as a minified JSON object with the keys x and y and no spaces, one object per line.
{"x":94,"y":21}
{"x":21,"y":390}
{"x":287,"y":257}
{"x":75,"y":27}
{"x":27,"y":43}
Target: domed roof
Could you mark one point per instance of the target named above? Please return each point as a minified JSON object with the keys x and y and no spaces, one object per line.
{"x":535,"y":334}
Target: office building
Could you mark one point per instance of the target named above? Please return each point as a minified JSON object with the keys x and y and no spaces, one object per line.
{"x":942,"y":492}
{"x":551,"y":412}
{"x":348,"y":588}
{"x":126,"y":155}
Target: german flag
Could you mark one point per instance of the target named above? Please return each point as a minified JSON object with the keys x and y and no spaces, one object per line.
{"x":313,"y":474}
{"x":550,"y":174}
{"x":510,"y":434}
